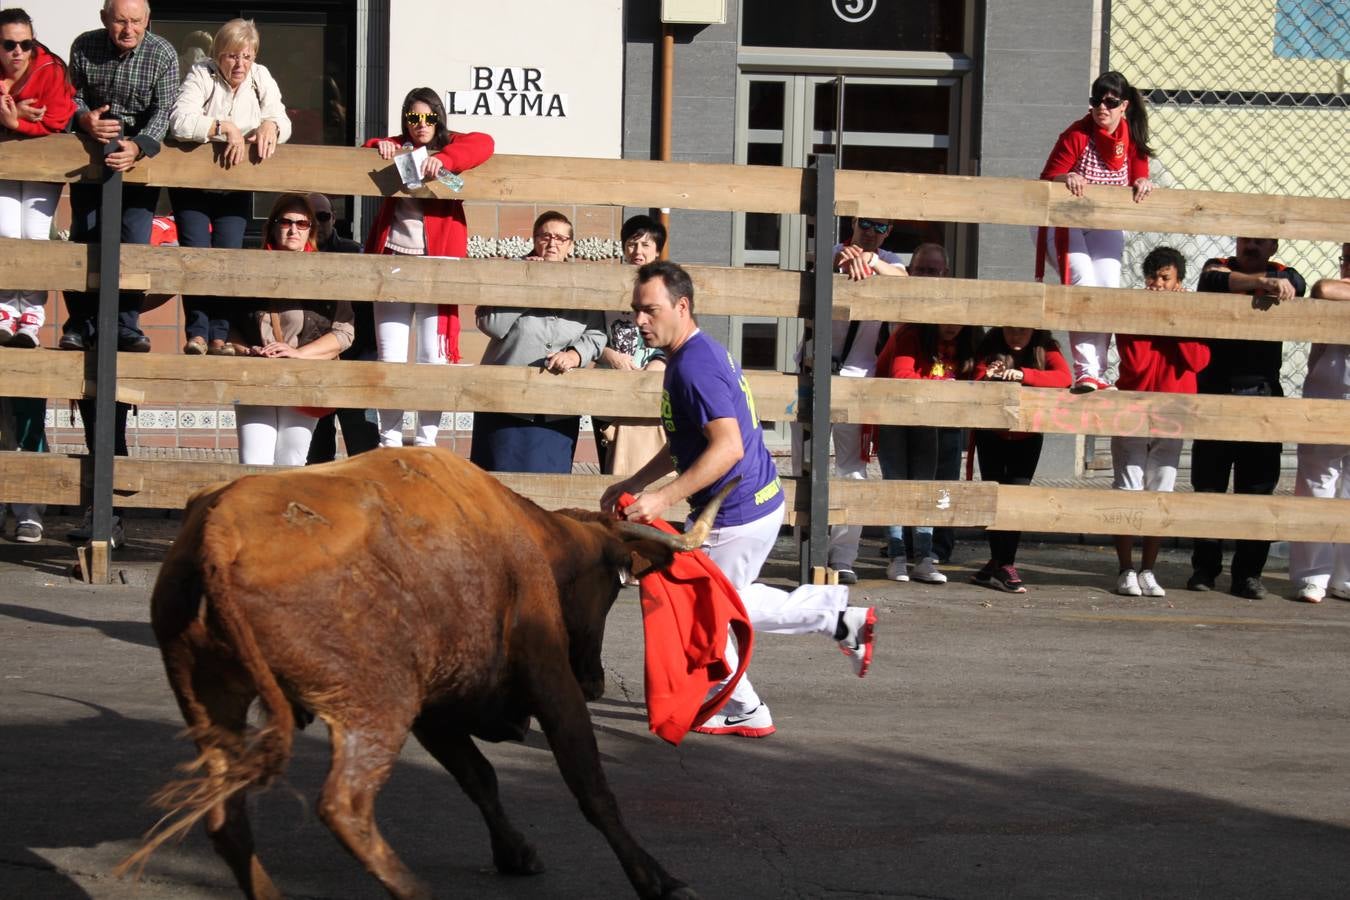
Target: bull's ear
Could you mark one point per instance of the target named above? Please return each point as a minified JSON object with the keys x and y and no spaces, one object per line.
{"x":645,"y":557}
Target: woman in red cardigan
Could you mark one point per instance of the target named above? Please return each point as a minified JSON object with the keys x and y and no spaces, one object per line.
{"x":409,"y":227}
{"x":35,"y":99}
{"x":1107,"y":146}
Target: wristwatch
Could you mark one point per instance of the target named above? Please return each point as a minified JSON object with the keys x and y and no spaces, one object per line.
{"x":216,"y":133}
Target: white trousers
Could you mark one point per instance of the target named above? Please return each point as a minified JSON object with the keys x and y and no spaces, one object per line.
{"x":26,"y":211}
{"x":844,"y":539}
{"x":393,"y":322}
{"x":1094,"y":261}
{"x":273,"y":435}
{"x":740,"y":552}
{"x":1322,"y":472}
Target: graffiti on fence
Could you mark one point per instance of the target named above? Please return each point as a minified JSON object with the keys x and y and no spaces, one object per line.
{"x":1161,"y":415}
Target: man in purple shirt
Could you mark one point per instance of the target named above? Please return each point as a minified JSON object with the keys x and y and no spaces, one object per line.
{"x":713,"y":435}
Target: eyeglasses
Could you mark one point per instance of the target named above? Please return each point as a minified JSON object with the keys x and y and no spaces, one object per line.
{"x":239,"y":57}
{"x":1105,"y":100}
{"x":323,"y":216}
{"x":421,"y":118}
{"x":297,"y":224}
{"x":878,"y":227}
{"x":545,"y":237}
{"x":26,"y":45}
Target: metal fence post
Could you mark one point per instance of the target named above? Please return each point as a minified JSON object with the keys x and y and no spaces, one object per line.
{"x":105,"y":375}
{"x":815,"y":384}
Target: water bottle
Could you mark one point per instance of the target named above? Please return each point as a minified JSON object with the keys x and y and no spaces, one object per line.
{"x":451,"y":180}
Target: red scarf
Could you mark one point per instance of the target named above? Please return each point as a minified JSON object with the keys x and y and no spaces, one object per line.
{"x":1112,"y":147}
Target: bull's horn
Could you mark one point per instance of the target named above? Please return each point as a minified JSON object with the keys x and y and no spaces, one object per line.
{"x":691,"y":539}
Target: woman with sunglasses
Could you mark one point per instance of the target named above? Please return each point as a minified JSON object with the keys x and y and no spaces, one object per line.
{"x":231,"y":100}
{"x":35,"y":99}
{"x":417,"y":227}
{"x":1107,"y":146}
{"x":290,"y":329}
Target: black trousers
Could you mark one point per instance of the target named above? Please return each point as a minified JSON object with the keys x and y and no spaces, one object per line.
{"x":358,"y":433}
{"x":1007,"y":461}
{"x":1254,"y":469}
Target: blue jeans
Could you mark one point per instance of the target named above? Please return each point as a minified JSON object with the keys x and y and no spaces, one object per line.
{"x":138,"y":211}
{"x":210,"y":219}
{"x":908,"y":453}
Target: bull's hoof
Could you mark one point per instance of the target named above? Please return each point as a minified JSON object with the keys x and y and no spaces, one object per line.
{"x":518,"y":860}
{"x":680,"y":892}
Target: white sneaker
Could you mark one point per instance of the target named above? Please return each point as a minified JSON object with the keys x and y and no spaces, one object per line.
{"x":1340,"y":591}
{"x":756,"y":723}
{"x":1127,"y":585}
{"x":1310,"y":593}
{"x":926,"y":570}
{"x":29,"y":333}
{"x":860,"y":631}
{"x":897,"y":570}
{"x":1148,"y":584}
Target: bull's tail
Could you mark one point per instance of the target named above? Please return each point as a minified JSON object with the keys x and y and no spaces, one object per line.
{"x":230,"y":761}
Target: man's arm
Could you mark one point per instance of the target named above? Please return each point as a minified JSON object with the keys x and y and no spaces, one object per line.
{"x":1332,"y":289}
{"x":1223,"y":281}
{"x":658,"y":466}
{"x":162,"y":101}
{"x":724,"y":450}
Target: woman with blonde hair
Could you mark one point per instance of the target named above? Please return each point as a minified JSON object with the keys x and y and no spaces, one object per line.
{"x":291,"y":329}
{"x":231,"y":100}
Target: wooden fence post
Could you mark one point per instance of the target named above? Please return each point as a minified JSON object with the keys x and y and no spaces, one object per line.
{"x":105,"y":378}
{"x":814,"y":393}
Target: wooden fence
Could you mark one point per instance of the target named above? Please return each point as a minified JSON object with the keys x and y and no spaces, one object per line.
{"x":721,"y":291}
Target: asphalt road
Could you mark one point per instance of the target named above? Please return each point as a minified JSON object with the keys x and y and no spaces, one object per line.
{"x":1068,"y":743}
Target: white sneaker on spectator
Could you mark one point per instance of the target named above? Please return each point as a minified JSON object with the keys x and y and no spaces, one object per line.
{"x":1127,"y":585}
{"x":756,"y":723}
{"x":897,"y":570}
{"x":1148,"y":584}
{"x":926,"y":570}
{"x":1340,"y":591}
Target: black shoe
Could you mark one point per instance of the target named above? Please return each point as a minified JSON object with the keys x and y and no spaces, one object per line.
{"x":1198,"y":582}
{"x":847,"y":576}
{"x":1249,"y":588}
{"x":133,"y":343}
{"x":73,"y":340}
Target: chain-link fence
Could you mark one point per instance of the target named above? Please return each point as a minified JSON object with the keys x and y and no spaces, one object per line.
{"x":1244,"y":95}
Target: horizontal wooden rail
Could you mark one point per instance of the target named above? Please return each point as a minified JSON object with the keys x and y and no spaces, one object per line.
{"x":222,"y":381}
{"x":1012,"y":201}
{"x":167,"y":484}
{"x":711,"y":186}
{"x":56,"y":265}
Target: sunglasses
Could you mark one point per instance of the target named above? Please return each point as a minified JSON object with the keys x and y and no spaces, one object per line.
{"x":323,"y":216}
{"x":297,"y":224}
{"x":878,"y":227}
{"x":26,"y":46}
{"x":421,"y":118}
{"x":1105,"y":100}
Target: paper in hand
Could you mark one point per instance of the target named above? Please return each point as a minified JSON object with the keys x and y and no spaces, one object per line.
{"x":410,"y":167}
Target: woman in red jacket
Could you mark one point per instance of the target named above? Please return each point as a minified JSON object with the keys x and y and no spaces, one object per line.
{"x":1107,"y":146}
{"x":35,"y":99}
{"x":415,"y":227}
{"x":1031,"y":358}
{"x":910,"y":452}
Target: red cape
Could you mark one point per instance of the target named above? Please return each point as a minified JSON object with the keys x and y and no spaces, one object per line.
{"x":686,"y":610}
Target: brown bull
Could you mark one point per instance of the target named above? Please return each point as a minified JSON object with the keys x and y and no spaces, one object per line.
{"x":401,"y":590}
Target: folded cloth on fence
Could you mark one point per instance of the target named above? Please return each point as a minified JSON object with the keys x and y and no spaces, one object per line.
{"x":686,"y":612}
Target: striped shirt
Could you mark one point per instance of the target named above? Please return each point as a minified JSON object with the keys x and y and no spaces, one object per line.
{"x":139,"y":88}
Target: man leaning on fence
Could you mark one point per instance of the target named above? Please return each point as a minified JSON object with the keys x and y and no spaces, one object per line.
{"x":855,"y":346}
{"x":1246,"y":368}
{"x":126,"y":82}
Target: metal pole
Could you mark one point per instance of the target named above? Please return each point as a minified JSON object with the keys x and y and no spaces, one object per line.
{"x":816,"y":472}
{"x":667,"y":113}
{"x":105,"y":367}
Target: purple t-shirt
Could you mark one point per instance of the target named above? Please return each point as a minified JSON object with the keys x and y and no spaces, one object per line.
{"x":703,"y":383}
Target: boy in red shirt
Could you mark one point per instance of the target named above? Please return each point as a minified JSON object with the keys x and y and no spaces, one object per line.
{"x":1165,"y":365}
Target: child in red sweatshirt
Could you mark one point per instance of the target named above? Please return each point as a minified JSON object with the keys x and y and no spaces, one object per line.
{"x":1149,"y":463}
